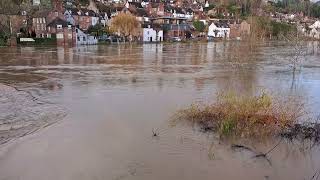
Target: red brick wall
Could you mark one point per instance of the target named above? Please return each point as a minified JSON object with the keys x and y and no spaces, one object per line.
{"x":69,"y":37}
{"x":39,"y":26}
{"x":84,"y":22}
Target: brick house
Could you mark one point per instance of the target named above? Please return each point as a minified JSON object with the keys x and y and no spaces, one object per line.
{"x":183,"y":31}
{"x":64,"y":32}
{"x":40,"y":19}
{"x":84,"y":18}
{"x":39,"y":24}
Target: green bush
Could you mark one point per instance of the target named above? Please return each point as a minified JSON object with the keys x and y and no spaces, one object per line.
{"x":199,"y":25}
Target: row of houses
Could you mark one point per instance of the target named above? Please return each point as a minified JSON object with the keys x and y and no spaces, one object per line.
{"x":160,"y":21}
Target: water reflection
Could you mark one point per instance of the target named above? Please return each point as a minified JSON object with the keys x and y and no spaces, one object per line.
{"x":116,"y":95}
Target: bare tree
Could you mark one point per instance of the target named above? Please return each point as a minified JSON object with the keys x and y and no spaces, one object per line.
{"x":125,"y":24}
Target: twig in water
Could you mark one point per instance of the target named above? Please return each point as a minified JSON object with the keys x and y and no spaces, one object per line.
{"x":154,"y":133}
{"x":274,"y":147}
{"x":317,"y":173}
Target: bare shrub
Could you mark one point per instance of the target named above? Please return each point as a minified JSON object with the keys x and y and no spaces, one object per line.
{"x":234,"y":115}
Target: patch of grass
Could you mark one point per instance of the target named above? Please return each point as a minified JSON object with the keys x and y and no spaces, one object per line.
{"x":234,"y":115}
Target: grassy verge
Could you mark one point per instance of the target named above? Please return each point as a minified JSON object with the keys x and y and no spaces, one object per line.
{"x":234,"y":115}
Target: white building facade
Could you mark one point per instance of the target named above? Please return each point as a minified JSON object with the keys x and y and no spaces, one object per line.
{"x":315,"y":30}
{"x":152,"y":35}
{"x":219,"y":30}
{"x":85,"y":39}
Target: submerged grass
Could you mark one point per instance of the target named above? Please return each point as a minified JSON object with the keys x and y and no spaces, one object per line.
{"x":234,"y":115}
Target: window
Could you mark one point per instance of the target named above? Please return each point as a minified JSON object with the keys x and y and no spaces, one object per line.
{"x":60,"y":36}
{"x":76,"y":30}
{"x":38,"y":27}
{"x":59,"y":26}
{"x":84,"y":38}
{"x":37,"y":20}
{"x":78,"y":38}
{"x":40,"y":20}
{"x":44,"y":20}
{"x":49,"y":28}
{"x":69,"y":26}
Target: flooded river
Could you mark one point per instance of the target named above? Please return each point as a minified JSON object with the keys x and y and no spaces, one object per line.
{"x":90,"y":112}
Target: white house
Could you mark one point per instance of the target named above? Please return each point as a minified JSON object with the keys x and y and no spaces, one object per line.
{"x":152,"y":35}
{"x":36,"y":2}
{"x":85,"y":39}
{"x":316,"y":25}
{"x":315,"y":30}
{"x":219,"y":30}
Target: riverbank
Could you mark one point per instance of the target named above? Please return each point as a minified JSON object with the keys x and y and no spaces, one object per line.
{"x":22,"y":114}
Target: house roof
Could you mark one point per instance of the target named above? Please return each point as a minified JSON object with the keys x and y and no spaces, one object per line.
{"x":58,"y":21}
{"x":141,"y":12}
{"x":82,"y":12}
{"x":155,"y":5}
{"x":135,"y":4}
{"x":221,"y":24}
{"x":43,"y":13}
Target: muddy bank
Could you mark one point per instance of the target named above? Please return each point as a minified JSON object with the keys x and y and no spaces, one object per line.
{"x":22,"y":114}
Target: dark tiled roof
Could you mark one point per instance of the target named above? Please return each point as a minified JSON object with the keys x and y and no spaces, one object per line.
{"x":222,"y":24}
{"x":155,"y":5}
{"x":58,"y":21}
{"x":82,"y":12}
{"x":141,"y":12}
{"x":43,"y":13}
{"x":136,"y":4}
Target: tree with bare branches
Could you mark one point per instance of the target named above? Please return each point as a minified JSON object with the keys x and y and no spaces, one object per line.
{"x":125,"y":24}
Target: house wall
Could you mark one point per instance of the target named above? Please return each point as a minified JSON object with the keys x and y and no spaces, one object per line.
{"x":84,"y":22}
{"x":65,"y":36}
{"x":174,"y":33}
{"x":314,"y":33}
{"x":35,"y":2}
{"x":218,"y":32}
{"x":149,"y":35}
{"x":39,"y":26}
{"x":84,"y":39}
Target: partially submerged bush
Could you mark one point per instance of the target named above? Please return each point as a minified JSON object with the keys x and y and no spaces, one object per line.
{"x":233,"y":115}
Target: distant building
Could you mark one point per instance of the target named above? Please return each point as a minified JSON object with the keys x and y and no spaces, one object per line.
{"x":36,"y":2}
{"x":83,"y":18}
{"x":39,"y":25}
{"x":85,"y":39}
{"x":219,"y":30}
{"x":65,"y":33}
{"x":315,"y":30}
{"x":152,"y":35}
{"x":173,"y":27}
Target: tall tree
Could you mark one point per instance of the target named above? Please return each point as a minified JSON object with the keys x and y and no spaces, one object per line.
{"x":125,"y":24}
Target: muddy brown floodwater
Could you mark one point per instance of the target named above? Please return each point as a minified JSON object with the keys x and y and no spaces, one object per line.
{"x":90,"y":112}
